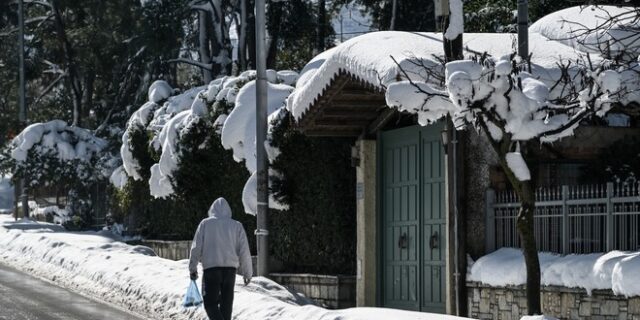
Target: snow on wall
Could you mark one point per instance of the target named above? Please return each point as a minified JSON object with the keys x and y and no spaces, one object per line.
{"x":97,"y":264}
{"x":616,"y":270}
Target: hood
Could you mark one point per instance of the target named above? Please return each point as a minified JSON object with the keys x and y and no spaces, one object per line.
{"x":220,"y":209}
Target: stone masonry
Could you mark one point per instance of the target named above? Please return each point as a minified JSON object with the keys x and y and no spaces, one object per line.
{"x":506,"y":303}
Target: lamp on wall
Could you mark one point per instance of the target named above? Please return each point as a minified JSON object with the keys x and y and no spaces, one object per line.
{"x":446,"y":139}
{"x":355,"y":156}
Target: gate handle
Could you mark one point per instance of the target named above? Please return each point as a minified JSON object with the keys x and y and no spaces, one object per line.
{"x":433,"y":240}
{"x":402,"y":241}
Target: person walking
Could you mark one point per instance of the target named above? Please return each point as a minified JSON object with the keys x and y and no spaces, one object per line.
{"x":221,"y":245}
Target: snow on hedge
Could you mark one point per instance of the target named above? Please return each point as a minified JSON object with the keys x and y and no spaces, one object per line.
{"x":239,"y":133}
{"x":96,"y":264}
{"x":616,"y":270}
{"x":65,"y":142}
{"x":169,"y":122}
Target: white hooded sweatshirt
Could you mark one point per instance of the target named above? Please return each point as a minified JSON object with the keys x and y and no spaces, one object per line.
{"x":221,"y":242}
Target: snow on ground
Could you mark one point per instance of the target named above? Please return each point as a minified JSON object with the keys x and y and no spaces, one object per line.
{"x":542,"y":317}
{"x":616,"y":270}
{"x":96,"y":264}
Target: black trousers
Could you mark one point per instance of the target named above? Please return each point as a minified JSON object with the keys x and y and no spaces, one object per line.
{"x":217,"y":292}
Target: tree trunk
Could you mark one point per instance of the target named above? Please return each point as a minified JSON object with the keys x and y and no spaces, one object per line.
{"x":251,"y":35}
{"x":69,"y":57}
{"x":525,"y":224}
{"x":275,"y":17}
{"x":220,"y":43}
{"x":204,"y":21}
{"x":242,"y":35}
{"x":87,"y":93}
{"x":529,"y":249}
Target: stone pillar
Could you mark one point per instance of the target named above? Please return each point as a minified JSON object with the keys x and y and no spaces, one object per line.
{"x":366,"y":224}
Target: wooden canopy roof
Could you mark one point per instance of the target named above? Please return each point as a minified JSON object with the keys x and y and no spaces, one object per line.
{"x":348,"y":107}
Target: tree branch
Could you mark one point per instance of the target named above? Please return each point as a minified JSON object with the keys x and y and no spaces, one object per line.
{"x":206,"y":66}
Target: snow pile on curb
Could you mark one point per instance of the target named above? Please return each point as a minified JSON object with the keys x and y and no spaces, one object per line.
{"x":96,"y":264}
{"x":616,"y":270}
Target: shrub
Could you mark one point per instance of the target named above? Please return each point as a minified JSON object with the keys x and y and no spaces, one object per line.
{"x":318,"y":232}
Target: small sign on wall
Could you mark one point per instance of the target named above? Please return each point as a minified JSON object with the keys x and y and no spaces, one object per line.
{"x":359,"y":191}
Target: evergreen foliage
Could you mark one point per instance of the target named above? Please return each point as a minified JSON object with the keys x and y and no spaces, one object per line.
{"x":318,"y":232}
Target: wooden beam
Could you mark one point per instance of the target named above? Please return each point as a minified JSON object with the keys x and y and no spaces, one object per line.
{"x":349,"y":112}
{"x":351,"y":95}
{"x":344,"y":122}
{"x":329,"y":133}
{"x":382,"y":120}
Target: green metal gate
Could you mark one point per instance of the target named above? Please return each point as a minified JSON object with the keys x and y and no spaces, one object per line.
{"x":413,"y":219}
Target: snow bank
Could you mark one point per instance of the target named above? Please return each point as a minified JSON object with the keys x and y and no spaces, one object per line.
{"x":616,"y":270}
{"x":541,"y":317}
{"x":94,"y":263}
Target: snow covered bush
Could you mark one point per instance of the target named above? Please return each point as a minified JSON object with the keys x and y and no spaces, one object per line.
{"x":55,"y":154}
{"x":174,"y":165}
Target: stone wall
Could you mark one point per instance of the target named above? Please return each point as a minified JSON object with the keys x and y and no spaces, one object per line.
{"x":334,"y":292}
{"x":502,"y":303}
{"x":172,"y":250}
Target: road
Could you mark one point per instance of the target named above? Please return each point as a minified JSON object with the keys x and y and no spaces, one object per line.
{"x":23,"y":297}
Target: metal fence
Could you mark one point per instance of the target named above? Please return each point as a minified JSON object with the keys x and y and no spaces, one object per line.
{"x":570,"y":219}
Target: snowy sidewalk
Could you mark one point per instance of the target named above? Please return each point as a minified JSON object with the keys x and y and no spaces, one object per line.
{"x":96,"y":264}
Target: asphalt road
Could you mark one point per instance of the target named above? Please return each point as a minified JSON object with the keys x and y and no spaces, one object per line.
{"x":23,"y":297}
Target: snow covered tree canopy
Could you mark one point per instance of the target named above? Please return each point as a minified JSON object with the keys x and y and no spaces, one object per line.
{"x":52,"y":151}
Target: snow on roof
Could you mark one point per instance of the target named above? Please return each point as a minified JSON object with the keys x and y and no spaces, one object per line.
{"x":368,"y":58}
{"x":617,"y":28}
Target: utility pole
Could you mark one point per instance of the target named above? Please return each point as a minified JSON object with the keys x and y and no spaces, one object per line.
{"x":322,"y":17}
{"x":262,"y":175}
{"x":22,"y":113}
{"x":394,"y":9}
{"x":523,"y":29}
